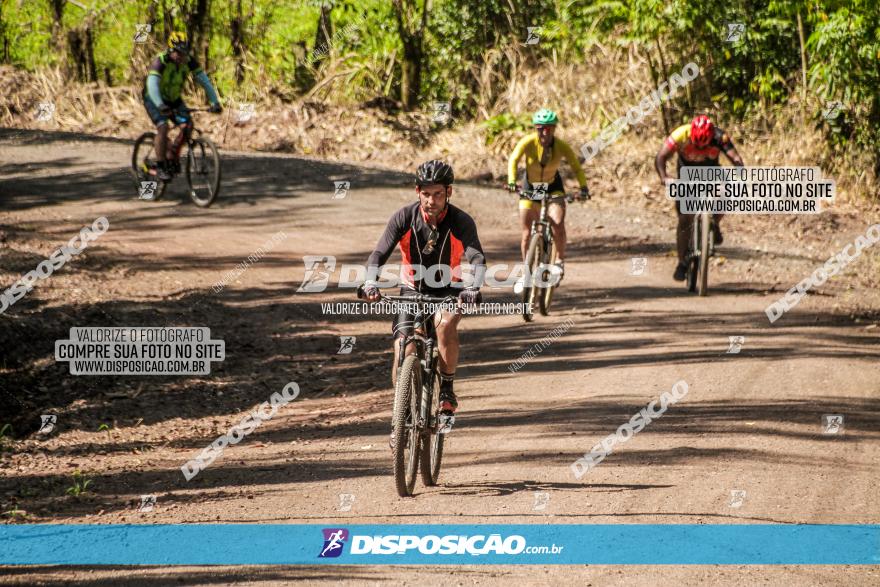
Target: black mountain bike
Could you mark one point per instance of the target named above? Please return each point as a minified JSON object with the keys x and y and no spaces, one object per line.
{"x":200,"y":161}
{"x":540,"y":282}
{"x":418,"y":427}
{"x":700,"y":248}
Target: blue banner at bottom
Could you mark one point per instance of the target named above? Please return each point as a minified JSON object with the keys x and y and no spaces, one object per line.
{"x":531,"y":544}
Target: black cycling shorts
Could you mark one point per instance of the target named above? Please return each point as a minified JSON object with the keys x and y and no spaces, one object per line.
{"x":555,"y":188}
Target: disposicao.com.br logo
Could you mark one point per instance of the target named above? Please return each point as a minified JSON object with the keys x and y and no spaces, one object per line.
{"x":451,"y":544}
{"x":320,"y":271}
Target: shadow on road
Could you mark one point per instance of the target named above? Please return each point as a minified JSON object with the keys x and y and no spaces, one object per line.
{"x":246,"y":178}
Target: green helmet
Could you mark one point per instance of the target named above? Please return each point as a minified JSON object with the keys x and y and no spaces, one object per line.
{"x":545,"y":116}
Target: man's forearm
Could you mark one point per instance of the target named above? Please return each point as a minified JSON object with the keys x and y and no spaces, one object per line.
{"x":660,"y":164}
{"x":203,"y":80}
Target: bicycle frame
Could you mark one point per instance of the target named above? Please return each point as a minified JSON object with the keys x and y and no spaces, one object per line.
{"x":426,"y":345}
{"x":193,"y":131}
{"x":427,"y":350}
{"x":543,"y":225}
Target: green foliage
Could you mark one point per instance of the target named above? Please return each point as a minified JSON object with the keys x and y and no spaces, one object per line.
{"x":469,"y":45}
{"x":845,"y":48}
{"x":80,"y":484}
{"x":505,"y":122}
{"x":106,"y":428}
{"x":26,"y":31}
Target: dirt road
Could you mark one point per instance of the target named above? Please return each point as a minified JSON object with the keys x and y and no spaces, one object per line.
{"x":751,"y":423}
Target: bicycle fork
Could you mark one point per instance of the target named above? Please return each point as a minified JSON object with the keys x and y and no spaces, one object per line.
{"x":695,"y":248}
{"x":441,"y":423}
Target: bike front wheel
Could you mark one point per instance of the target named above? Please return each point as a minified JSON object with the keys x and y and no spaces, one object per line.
{"x":703,"y":281}
{"x":693,"y":256}
{"x":533,"y":261}
{"x":550,"y":280}
{"x":406,"y":437}
{"x":144,"y":161}
{"x":432,"y":442}
{"x":203,"y":171}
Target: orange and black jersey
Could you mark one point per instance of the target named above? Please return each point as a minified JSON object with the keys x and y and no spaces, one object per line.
{"x":432,"y":249}
{"x":690,"y":154}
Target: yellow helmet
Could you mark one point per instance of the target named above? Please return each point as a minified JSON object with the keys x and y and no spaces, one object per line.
{"x":178,"y":41}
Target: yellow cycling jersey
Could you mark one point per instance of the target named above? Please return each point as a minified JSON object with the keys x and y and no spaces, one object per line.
{"x":541,"y":166}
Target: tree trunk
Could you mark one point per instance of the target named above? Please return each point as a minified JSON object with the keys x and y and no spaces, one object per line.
{"x":196,"y":25}
{"x":82,"y":53}
{"x":410,"y":75}
{"x":411,"y":28}
{"x":236,"y":33}
{"x":5,"y":38}
{"x":152,"y":18}
{"x":324,"y":32}
{"x":167,"y":23}
{"x":57,"y":9}
{"x":665,"y":106}
{"x":656,"y":79}
{"x":58,"y":46}
{"x":800,"y":24}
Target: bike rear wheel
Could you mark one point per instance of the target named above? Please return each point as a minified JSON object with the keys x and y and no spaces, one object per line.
{"x":144,"y":160}
{"x":703,"y":281}
{"x":545,"y":296}
{"x":203,"y":171}
{"x":405,"y":425}
{"x":432,"y":441}
{"x":533,"y":260}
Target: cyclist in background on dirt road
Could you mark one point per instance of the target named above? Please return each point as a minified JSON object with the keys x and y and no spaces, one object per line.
{"x":697,"y":144}
{"x":544,"y":152}
{"x":161,"y":94}
{"x":433,"y":235}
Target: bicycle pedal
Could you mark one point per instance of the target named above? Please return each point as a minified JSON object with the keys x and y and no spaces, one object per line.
{"x":445,"y":422}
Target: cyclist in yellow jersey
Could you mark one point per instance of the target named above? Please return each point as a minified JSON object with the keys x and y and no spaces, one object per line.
{"x":699,"y":143}
{"x":544,"y":152}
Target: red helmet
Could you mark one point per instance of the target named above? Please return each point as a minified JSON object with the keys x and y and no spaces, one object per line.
{"x":702,"y":130}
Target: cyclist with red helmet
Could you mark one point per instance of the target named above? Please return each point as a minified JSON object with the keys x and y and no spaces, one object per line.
{"x":698,"y":144}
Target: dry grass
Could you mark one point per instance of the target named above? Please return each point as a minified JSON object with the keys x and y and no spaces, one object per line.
{"x":587,"y":96}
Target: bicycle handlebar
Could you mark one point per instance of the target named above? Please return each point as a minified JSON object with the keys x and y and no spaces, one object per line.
{"x":416,"y":297}
{"x":569,"y":196}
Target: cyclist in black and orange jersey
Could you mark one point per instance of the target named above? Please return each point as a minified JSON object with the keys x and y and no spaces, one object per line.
{"x":433,"y":236}
{"x":544,"y":152}
{"x":698,"y":144}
